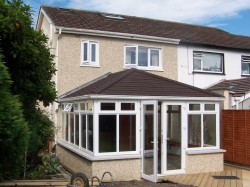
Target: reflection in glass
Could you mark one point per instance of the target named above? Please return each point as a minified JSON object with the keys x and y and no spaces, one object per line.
{"x":194,"y":130}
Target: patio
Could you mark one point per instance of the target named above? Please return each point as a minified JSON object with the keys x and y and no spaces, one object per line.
{"x":226,"y":178}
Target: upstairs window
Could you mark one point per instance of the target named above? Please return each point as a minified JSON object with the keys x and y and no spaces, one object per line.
{"x":142,"y":57}
{"x":245,"y":65}
{"x":208,"y":62}
{"x":90,"y":53}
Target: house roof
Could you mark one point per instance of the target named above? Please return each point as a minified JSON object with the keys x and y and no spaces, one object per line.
{"x":133,"y":82}
{"x":187,"y":33}
{"x":238,"y":87}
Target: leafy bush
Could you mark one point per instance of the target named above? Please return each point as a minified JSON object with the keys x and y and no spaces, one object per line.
{"x":48,"y":164}
{"x":31,"y":68}
{"x":13,"y":129}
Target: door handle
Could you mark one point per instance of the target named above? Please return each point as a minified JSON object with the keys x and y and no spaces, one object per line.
{"x":153,"y":142}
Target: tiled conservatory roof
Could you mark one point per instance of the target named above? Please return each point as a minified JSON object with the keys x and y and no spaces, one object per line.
{"x":133,"y":82}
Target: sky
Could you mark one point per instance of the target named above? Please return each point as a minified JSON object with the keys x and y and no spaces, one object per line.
{"x":229,"y":15}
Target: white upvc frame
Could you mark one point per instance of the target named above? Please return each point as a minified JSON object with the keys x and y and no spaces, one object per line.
{"x":154,"y":177}
{"x":164,"y":132}
{"x":203,"y":112}
{"x":136,"y":65}
{"x":88,"y":61}
{"x":117,"y":112}
{"x":245,"y":60}
{"x":200,"y":54}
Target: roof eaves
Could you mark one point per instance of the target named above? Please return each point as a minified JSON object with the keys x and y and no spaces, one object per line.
{"x":116,"y":35}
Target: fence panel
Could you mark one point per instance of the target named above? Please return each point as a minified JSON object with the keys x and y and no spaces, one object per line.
{"x":235,"y":135}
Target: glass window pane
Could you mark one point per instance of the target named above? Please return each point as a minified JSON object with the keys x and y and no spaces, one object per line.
{"x":154,"y":57}
{"x":212,"y":62}
{"x":72,"y":129}
{"x":194,"y":107}
{"x":85,"y":52}
{"x":90,"y":133}
{"x":107,"y":106}
{"x":197,"y":64}
{"x":93,"y":52}
{"x":76,"y":107}
{"x":127,"y":134}
{"x":82,"y":106}
{"x":209,"y":128}
{"x":77,"y":129}
{"x":67,"y":127}
{"x":210,"y":107}
{"x":194,"y":130}
{"x":63,"y":125}
{"x":89,"y":105}
{"x":130,"y":55}
{"x":84,"y":130}
{"x":127,"y":106}
{"x":245,"y":68}
{"x":107,"y":133}
{"x":143,"y":56}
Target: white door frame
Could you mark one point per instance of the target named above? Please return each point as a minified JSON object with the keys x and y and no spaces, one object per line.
{"x":164,"y":123}
{"x":153,"y":177}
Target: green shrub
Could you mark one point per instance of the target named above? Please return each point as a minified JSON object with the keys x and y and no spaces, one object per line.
{"x":47,"y":165}
{"x":13,"y":129}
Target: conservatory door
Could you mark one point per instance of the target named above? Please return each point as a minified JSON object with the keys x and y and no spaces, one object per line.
{"x":149,"y":140}
{"x":172,"y":158}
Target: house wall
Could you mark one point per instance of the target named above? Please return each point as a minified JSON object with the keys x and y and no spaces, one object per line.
{"x":73,"y":161}
{"x":121,"y":170}
{"x":204,"y":163}
{"x":232,"y":66}
{"x":46,"y":27}
{"x":111,"y":58}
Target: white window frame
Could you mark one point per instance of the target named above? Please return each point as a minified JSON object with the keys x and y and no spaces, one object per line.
{"x":245,"y":59}
{"x":136,"y":65}
{"x":203,"y":112}
{"x":89,"y":62}
{"x":67,"y":107}
{"x":198,"y":56}
{"x":67,"y":112}
{"x":119,"y":112}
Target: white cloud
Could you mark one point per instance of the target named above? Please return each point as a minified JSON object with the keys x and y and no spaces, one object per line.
{"x":189,"y":11}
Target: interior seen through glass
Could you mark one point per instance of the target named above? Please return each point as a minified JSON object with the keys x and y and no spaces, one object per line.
{"x":173,"y":137}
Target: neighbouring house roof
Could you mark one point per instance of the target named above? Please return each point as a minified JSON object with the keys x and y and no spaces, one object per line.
{"x":238,"y":87}
{"x":186,"y":33}
{"x":133,"y":82}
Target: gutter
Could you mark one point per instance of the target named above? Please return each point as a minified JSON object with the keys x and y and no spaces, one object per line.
{"x":131,"y":97}
{"x":116,"y":35}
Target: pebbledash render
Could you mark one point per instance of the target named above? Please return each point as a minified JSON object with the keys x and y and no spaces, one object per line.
{"x":121,"y":108}
{"x":136,"y":124}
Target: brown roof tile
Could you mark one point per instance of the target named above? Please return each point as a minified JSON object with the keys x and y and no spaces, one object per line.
{"x":238,"y":87}
{"x":133,"y":82}
{"x":187,"y":33}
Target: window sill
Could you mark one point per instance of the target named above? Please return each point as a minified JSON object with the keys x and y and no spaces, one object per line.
{"x":245,"y":75}
{"x":90,"y":65}
{"x":91,"y":157}
{"x":208,"y":151}
{"x":144,"y":68}
{"x":205,"y":72}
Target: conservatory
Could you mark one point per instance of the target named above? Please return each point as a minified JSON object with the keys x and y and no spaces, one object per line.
{"x":138,"y":125}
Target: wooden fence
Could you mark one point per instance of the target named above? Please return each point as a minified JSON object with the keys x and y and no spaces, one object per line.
{"x":235,"y":135}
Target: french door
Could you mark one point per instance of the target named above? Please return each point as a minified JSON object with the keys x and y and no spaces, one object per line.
{"x":173,"y":138}
{"x":149,"y":120}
